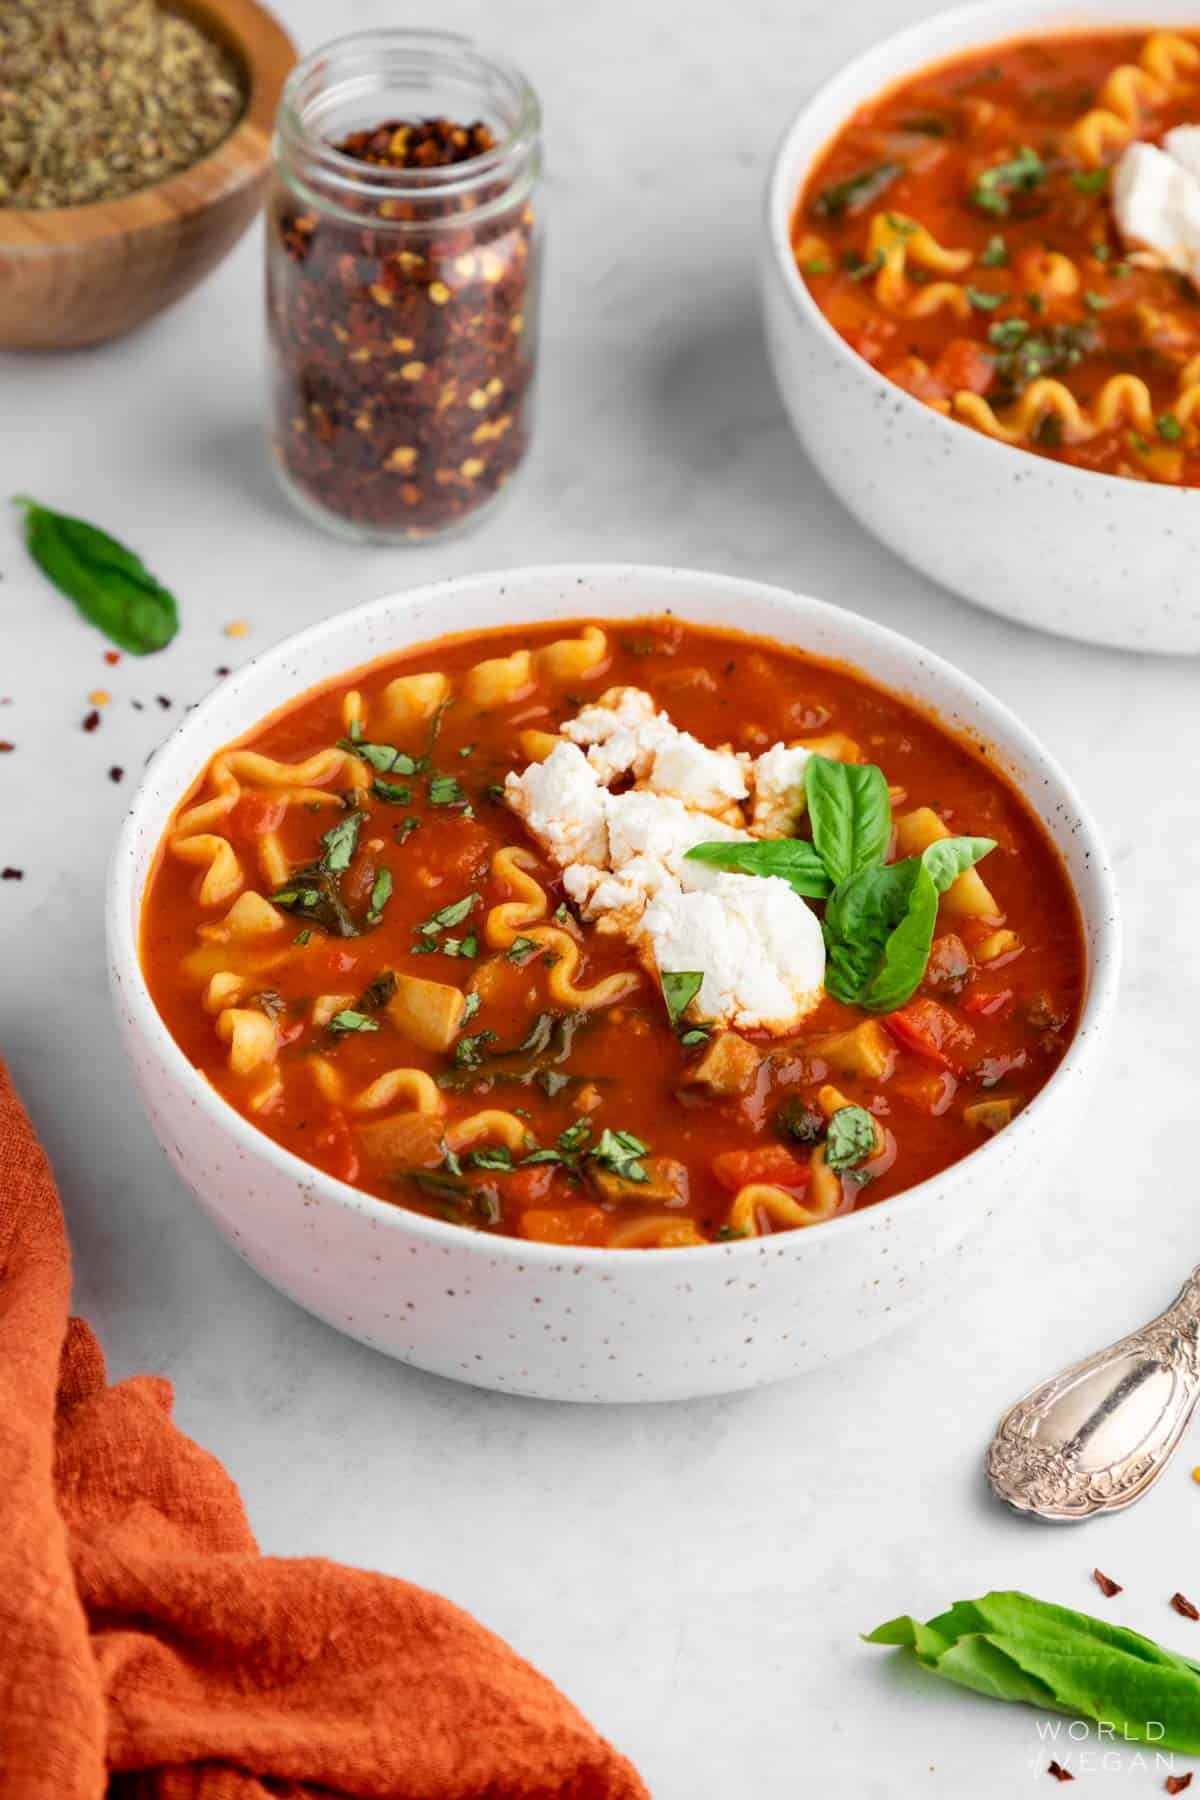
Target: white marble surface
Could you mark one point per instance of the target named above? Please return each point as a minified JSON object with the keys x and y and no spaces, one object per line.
{"x":694,"y":1576}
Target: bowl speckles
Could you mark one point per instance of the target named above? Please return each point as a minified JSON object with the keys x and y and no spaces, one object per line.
{"x":595,"y":1325}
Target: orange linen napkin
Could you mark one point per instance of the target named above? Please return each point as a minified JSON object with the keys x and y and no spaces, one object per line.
{"x":148,"y":1651}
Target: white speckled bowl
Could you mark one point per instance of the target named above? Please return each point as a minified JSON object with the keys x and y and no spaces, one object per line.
{"x":1088,"y":556}
{"x":593,"y":1324}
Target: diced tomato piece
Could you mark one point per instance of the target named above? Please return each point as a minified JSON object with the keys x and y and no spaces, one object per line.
{"x":565,"y":1225}
{"x":254,"y":815}
{"x":334,"y":963}
{"x":916,"y":378}
{"x":454,"y":848}
{"x":872,"y":337}
{"x":358,"y":881}
{"x":994,"y":1005}
{"x":964,"y":364}
{"x":332,"y":1149}
{"x":524,"y":1187}
{"x":770,"y":1163}
{"x":928,"y":1029}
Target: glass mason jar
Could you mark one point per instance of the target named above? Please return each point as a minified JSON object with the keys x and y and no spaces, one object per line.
{"x":403,"y":263}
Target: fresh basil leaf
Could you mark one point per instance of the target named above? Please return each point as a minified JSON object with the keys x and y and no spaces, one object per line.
{"x":473,"y":1002}
{"x":680,"y":988}
{"x":572,"y":1140}
{"x":879,"y":925}
{"x":349,"y":1020}
{"x":521,"y":949}
{"x":994,"y":254}
{"x":111,"y":586}
{"x":948,"y":858}
{"x":857,"y":192}
{"x":851,"y":1138}
{"x":1091,"y":181}
{"x":341,"y":841}
{"x":983,"y":299}
{"x":792,"y":859}
{"x":1012,"y":1647}
{"x":851,"y":813}
{"x":859,"y":922}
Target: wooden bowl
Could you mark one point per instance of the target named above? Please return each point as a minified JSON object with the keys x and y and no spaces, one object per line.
{"x":80,"y":274}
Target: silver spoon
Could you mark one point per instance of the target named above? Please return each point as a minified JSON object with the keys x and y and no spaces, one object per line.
{"x":1097,"y":1437}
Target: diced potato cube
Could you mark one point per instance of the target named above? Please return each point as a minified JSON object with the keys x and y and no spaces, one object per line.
{"x":990,"y":1115}
{"x":866,"y":1050}
{"x":405,"y":1141}
{"x":427,"y":1013}
{"x":729,"y":1066}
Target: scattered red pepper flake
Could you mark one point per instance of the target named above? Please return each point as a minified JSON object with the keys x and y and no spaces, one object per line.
{"x":403,"y":357}
{"x":1184,"y":1607}
{"x":164,"y":702}
{"x":6,"y":744}
{"x":11,"y":874}
{"x":1059,"y":1773}
{"x":222,"y":672}
{"x":117,"y":773}
{"x":112,"y":658}
{"x":1175,"y":1784}
{"x":1108,"y":1587}
{"x":137,"y":705}
{"x":92,"y":720}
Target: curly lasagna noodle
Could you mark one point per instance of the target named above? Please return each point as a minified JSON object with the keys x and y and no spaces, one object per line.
{"x":1014,"y":238}
{"x":633,"y":936}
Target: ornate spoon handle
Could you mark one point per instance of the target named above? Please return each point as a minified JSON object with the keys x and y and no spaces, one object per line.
{"x":1096,"y":1437}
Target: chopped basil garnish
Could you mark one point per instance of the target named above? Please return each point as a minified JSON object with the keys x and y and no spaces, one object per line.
{"x":1006,"y":334}
{"x":349,"y":1020}
{"x":385,"y":759}
{"x":1168,"y":428}
{"x":994,"y":254}
{"x":1094,"y":302}
{"x":405,"y":828}
{"x":468,"y":1051}
{"x":618,"y":1151}
{"x":857,"y":192}
{"x":378,"y":992}
{"x":1091,"y":181}
{"x":982,"y":300}
{"x":444,"y":790}
{"x":341,"y":841}
{"x":381,"y":893}
{"x":447,"y":916}
{"x":1022,"y":172}
{"x":679,"y":990}
{"x":470,"y":1008}
{"x":520,"y":950}
{"x":302,"y":937}
{"x":394,"y":792}
{"x":850,"y":1139}
{"x":1027,"y":355}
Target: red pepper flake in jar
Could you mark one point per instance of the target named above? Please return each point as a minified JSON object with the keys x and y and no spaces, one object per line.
{"x":402,"y":305}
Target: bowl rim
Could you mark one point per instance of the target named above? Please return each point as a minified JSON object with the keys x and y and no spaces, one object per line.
{"x":267,"y":54}
{"x":130,"y":991}
{"x":784,"y":184}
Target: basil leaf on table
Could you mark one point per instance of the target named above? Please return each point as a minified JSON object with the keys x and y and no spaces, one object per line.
{"x":851,"y":813}
{"x":879,"y":925}
{"x":111,"y":586}
{"x":1010,"y":1646}
{"x":794,"y":860}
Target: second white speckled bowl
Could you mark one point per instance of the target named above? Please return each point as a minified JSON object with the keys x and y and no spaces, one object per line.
{"x":594,"y":1324}
{"x":1089,"y":556}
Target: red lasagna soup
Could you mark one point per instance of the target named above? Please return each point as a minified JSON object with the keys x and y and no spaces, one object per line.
{"x":1014,"y":238}
{"x":632,"y":935}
